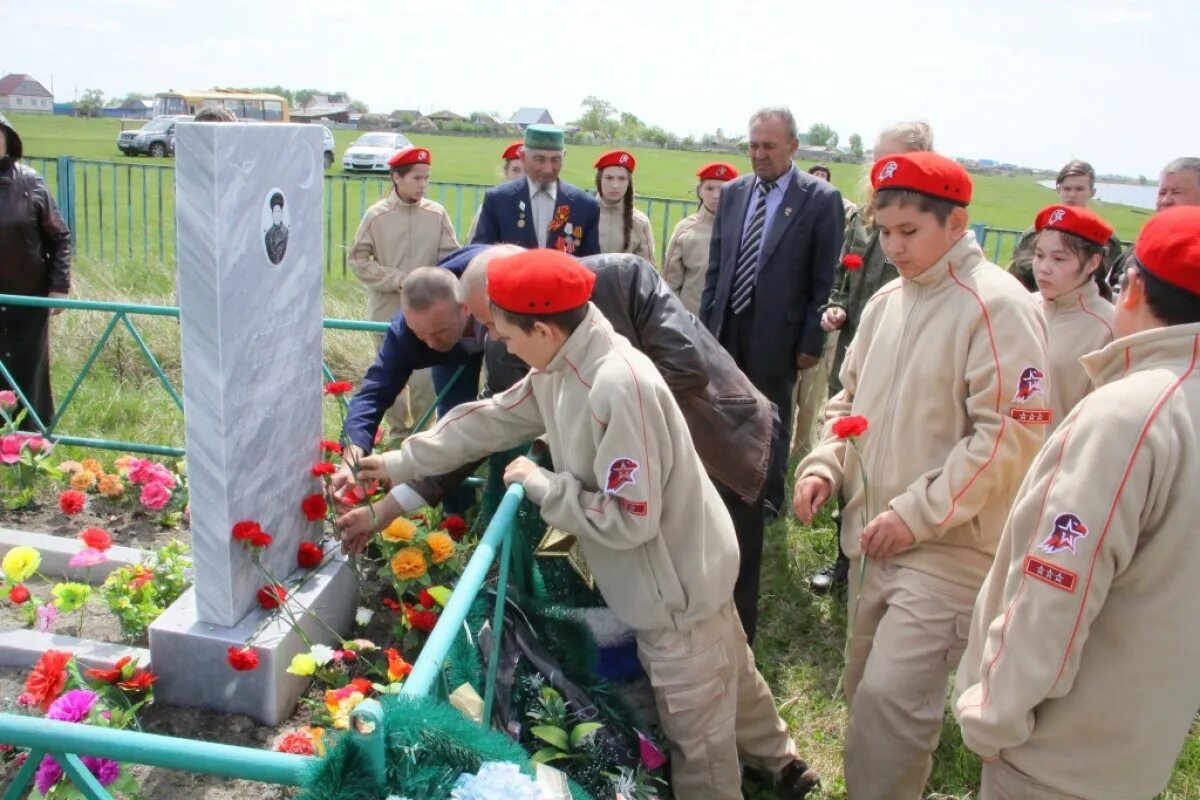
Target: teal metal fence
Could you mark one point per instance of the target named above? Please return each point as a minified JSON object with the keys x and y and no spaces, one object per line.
{"x":65,"y":742}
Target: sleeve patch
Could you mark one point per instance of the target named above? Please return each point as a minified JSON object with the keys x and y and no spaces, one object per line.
{"x":636,"y":507}
{"x":1029,"y":384}
{"x":1032,"y":416}
{"x":1052,"y":574}
{"x":621,"y":473}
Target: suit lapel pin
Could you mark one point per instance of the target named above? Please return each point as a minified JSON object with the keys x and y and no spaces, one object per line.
{"x":787,"y":212}
{"x":521,"y":205}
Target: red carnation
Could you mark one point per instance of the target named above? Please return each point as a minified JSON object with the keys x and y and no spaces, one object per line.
{"x":140,"y":682}
{"x":336,"y":388}
{"x":456,"y":526}
{"x":426,"y":599}
{"x":356,"y":494}
{"x":96,"y":539}
{"x":243,"y":659}
{"x":362,"y":686}
{"x":849,"y":427}
{"x":314,"y":507}
{"x":420,"y":620}
{"x":244,"y":531}
{"x":272,"y":596}
{"x":18,"y":594}
{"x":48,"y":679}
{"x":390,"y":604}
{"x":323,"y":468}
{"x":260,"y":539}
{"x":330,"y":447}
{"x":72,"y":502}
{"x":297,"y":742}
{"x":852,"y":261}
{"x":109,"y":675}
{"x":310,"y":555}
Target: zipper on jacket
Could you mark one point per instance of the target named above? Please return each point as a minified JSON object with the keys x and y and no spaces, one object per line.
{"x":890,"y":411}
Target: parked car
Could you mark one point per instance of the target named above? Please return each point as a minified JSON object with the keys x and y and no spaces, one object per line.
{"x":156,"y":139}
{"x":329,"y":145}
{"x":371,"y":151}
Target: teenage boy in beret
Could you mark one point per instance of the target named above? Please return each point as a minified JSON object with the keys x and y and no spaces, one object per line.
{"x":948,"y":366}
{"x":630,"y":485}
{"x":1082,"y":676}
{"x":514,"y":169}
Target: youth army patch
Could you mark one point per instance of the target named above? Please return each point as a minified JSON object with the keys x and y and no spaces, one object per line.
{"x":623,"y":472}
{"x":1031,"y":382}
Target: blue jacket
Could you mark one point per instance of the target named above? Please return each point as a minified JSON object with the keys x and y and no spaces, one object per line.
{"x":403,"y":353}
{"x":507,"y":218}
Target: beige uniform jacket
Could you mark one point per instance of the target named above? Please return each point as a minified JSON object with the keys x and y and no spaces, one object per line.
{"x":687,"y":258}
{"x":612,"y":232}
{"x":653,"y":529}
{"x":393,"y":239}
{"x":1083,"y":666}
{"x":949,"y":369}
{"x":1077,"y":323}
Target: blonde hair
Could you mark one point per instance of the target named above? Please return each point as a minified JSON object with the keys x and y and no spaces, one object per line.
{"x":915,"y":136}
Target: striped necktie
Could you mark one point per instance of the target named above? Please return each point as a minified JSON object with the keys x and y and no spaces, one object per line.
{"x":747,"y":263}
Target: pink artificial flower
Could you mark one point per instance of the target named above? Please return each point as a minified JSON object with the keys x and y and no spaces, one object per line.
{"x":155,"y":496}
{"x":87,"y":557}
{"x":36,"y":444}
{"x":139,"y":470}
{"x":8,"y":399}
{"x":10,"y":448}
{"x":46,"y":614}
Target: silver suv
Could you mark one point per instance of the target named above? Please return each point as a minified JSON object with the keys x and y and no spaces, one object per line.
{"x":156,"y":139}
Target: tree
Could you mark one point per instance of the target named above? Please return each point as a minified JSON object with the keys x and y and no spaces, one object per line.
{"x":358,"y":106}
{"x":597,"y":113}
{"x":856,"y":148}
{"x":286,"y":94}
{"x":821,"y":135}
{"x":91,"y":102}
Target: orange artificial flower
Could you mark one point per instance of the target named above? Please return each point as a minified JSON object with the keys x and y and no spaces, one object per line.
{"x":400,"y":530}
{"x":93,"y":466}
{"x":83,"y":480}
{"x":111,"y":487}
{"x":398,"y":668}
{"x":409,"y":564}
{"x":441,"y":546}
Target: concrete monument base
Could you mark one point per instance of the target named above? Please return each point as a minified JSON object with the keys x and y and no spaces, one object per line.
{"x":190,"y":657}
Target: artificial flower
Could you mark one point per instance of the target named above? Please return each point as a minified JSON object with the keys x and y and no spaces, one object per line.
{"x":340,"y":702}
{"x":357,"y":493}
{"x":244,"y":531}
{"x":852,"y":261}
{"x":72,"y":706}
{"x":296,"y":742}
{"x":18,"y":595}
{"x":93,"y":466}
{"x":48,"y":774}
{"x":420,"y":620}
{"x":111,"y":487}
{"x":83,"y":480}
{"x":46,"y":614}
{"x":309,"y":555}
{"x":47,"y":679}
{"x":271,"y":596}
{"x":323,"y":468}
{"x":440,"y":595}
{"x":243,"y":659}
{"x":330,"y":447}
{"x":71,"y":502}
{"x":87,"y":557}
{"x":109,"y":675}
{"x":361,"y":617}
{"x":155,"y":496}
{"x":409,"y":564}
{"x":314,"y":507}
{"x":105,"y":769}
{"x":390,"y":604}
{"x":456,"y":526}
{"x":399,"y":530}
{"x":70,"y":466}
{"x":849,"y":427}
{"x":398,"y":668}
{"x":336,"y":388}
{"x":322,"y":654}
{"x":121,"y":464}
{"x":8,"y":399}
{"x":303,"y":664}
{"x":10,"y":448}
{"x":96,"y":539}
{"x":140,"y":682}
{"x":70,"y":595}
{"x":20,"y":563}
{"x":441,"y":546}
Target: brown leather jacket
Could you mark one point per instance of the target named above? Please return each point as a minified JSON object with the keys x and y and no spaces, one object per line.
{"x":730,"y":421}
{"x":35,"y":244}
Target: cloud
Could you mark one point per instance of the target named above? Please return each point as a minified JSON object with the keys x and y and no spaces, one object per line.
{"x":1127,"y":16}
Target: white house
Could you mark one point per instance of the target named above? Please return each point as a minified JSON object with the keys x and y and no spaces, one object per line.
{"x":23,"y":95}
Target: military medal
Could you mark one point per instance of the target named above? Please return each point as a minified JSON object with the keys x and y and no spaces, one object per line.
{"x":521,"y":222}
{"x":568,"y":229}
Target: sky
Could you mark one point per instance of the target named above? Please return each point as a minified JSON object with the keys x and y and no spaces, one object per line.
{"x":1032,"y":82}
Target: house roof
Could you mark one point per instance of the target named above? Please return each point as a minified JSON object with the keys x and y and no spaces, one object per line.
{"x":10,"y":84}
{"x":446,"y":114}
{"x":529,"y":116}
{"x":312,"y":112}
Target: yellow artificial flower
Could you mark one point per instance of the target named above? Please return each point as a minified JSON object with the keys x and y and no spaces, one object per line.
{"x":409,"y":564}
{"x":441,"y":546}
{"x":340,"y":702}
{"x":302,"y":664}
{"x":21,"y":562}
{"x":121,"y":465}
{"x":401,"y":529}
{"x":70,"y":596}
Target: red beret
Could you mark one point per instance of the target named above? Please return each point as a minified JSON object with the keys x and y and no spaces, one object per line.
{"x":616,"y":158}
{"x":543,"y":281}
{"x":717,"y":171}
{"x":1169,"y":247}
{"x":513,"y":151}
{"x":926,"y":173}
{"x":1079,"y":221}
{"x":410,"y":155}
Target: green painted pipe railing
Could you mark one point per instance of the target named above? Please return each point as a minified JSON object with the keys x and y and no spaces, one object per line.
{"x":65,"y":741}
{"x":121,"y":315}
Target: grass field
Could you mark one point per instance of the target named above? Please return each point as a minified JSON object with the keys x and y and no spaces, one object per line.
{"x":801,"y":636}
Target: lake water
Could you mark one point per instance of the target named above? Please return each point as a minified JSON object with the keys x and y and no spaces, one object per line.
{"x":1123,"y":193}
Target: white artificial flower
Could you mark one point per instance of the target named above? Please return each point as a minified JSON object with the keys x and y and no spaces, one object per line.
{"x":363,"y":616}
{"x":321,"y":654}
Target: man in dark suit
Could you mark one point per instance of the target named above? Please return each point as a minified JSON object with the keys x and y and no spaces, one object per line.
{"x":776,"y":239}
{"x":539,"y":210}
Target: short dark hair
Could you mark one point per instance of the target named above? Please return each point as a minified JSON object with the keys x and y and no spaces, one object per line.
{"x":1073,"y":168}
{"x":214,"y":114}
{"x":566,"y":321}
{"x":1173,"y":304}
{"x":937,"y":206}
{"x":277,"y":200}
{"x":815,"y":168}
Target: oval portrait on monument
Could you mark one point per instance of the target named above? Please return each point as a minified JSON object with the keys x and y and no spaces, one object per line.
{"x":275,"y":221}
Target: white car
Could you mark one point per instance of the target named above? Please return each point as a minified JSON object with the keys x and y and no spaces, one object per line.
{"x":329,"y":146}
{"x":371,"y":151}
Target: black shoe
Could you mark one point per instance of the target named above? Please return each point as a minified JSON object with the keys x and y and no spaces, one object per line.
{"x":796,"y":781}
{"x":834,"y":576}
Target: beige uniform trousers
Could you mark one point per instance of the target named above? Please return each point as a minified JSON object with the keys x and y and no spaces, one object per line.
{"x":909,"y":634}
{"x":811,"y":394}
{"x":714,"y":707}
{"x":1002,"y":781}
{"x":418,"y":395}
